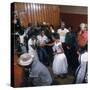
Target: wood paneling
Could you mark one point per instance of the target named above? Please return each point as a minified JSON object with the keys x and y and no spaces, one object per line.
{"x":74,"y":20}
{"x":18,"y":73}
{"x":33,"y":13}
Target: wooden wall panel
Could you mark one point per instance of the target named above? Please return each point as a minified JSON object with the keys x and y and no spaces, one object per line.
{"x":74,"y":20}
{"x":33,"y":13}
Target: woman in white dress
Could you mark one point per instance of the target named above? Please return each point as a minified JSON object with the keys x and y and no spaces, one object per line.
{"x":60,"y":65}
{"x":81,"y":72}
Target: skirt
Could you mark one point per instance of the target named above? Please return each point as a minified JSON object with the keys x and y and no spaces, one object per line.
{"x":81,"y":72}
{"x":60,"y":65}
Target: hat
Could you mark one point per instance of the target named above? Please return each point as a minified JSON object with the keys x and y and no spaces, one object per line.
{"x":25,"y":59}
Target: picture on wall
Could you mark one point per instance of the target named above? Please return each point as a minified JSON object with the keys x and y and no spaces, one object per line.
{"x":49,"y":44}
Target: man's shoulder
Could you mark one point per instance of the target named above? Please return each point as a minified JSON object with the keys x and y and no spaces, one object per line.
{"x":38,"y":36}
{"x":38,"y":64}
{"x":45,"y":36}
{"x":84,"y":56}
{"x":66,"y":30}
{"x":59,"y":29}
{"x":30,"y":41}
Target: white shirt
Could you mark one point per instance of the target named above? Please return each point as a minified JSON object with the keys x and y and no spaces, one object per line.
{"x":62,"y":34}
{"x":42,"y":39}
{"x":31,"y":42}
{"x":52,"y":31}
{"x":22,"y":38}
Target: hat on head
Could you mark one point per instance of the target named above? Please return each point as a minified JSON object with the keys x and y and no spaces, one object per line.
{"x":25,"y":59}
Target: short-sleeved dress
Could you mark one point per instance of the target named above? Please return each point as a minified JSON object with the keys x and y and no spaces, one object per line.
{"x":60,"y":65}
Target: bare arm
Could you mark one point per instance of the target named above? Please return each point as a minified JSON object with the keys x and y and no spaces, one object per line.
{"x":50,"y":44}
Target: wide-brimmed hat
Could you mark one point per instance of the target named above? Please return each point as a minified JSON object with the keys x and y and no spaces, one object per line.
{"x":25,"y":59}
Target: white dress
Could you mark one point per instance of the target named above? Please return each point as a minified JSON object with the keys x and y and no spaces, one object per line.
{"x":60,"y":62}
{"x":81,"y":70}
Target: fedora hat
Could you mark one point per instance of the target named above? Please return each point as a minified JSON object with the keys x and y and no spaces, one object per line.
{"x":25,"y":59}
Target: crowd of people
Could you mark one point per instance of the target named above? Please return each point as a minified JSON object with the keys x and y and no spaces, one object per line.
{"x":42,"y":46}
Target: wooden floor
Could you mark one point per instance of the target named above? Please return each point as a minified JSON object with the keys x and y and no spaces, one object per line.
{"x":62,"y":81}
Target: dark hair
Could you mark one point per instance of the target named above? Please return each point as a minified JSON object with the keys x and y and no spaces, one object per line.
{"x":21,"y":32}
{"x":56,"y":36}
{"x":29,"y":24}
{"x":42,"y":31}
{"x":16,"y":37}
{"x":86,"y":47}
